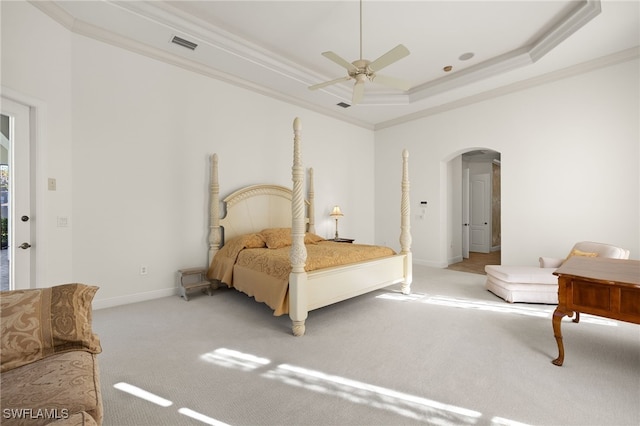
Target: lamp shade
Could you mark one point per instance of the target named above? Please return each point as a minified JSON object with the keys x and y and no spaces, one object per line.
{"x":336,"y":212}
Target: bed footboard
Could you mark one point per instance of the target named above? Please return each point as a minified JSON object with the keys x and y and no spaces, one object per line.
{"x":329,"y":286}
{"x":325,"y":287}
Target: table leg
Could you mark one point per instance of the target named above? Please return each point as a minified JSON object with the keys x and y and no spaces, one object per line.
{"x":558,"y":314}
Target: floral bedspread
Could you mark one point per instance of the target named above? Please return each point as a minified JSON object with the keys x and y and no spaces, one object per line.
{"x":325,"y":254}
{"x":235,"y":259}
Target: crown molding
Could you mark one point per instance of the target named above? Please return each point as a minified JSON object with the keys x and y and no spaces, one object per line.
{"x":584,"y":12}
{"x":192,"y":27}
{"x":91,"y":31}
{"x":55,"y":12}
{"x":613,"y":59}
{"x":581,"y":15}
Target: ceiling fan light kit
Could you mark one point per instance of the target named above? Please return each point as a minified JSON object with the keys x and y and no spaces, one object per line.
{"x":361,"y":69}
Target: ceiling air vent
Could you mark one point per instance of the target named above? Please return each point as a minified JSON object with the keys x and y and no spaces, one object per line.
{"x":184,"y":43}
{"x":343,"y":105}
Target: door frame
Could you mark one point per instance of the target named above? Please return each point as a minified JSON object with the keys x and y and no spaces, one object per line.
{"x":37,"y":145}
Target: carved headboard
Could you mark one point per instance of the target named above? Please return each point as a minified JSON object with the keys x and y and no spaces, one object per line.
{"x":255,"y":208}
{"x":252,"y":209}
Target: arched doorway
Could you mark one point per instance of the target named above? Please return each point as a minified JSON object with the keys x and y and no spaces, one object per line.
{"x":474,"y":213}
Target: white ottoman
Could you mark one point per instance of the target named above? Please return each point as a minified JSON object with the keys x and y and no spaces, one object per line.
{"x":530,"y":284}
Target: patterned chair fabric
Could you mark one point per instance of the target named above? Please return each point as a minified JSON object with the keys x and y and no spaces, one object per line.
{"x":48,"y":357}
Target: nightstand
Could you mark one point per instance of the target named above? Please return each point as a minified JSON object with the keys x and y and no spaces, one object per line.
{"x":342,"y":240}
{"x":191,"y":278}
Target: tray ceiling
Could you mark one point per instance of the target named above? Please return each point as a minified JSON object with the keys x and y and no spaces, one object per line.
{"x":274,"y":47}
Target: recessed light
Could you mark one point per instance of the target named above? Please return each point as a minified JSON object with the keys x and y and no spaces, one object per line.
{"x":466,"y":56}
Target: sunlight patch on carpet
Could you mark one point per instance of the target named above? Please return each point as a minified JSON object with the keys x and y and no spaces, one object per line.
{"x":406,"y":405}
{"x":403,"y":404}
{"x":479,"y":305}
{"x":501,"y":421}
{"x":400,"y":297}
{"x":234,"y":359}
{"x":143,"y":394}
{"x":201,"y":417}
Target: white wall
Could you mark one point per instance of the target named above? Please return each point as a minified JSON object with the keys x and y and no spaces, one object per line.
{"x":36,"y":67}
{"x":136,"y":135}
{"x":570,"y":160}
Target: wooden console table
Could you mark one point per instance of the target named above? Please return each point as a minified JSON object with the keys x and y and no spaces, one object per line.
{"x":605,"y":287}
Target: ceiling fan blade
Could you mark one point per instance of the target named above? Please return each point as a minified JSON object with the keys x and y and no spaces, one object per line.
{"x":390,"y":57}
{"x":340,"y":61}
{"x":329,"y":83}
{"x":358,"y":92}
{"x":394,"y":83}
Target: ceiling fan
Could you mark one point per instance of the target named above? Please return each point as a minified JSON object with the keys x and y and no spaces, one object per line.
{"x":362,"y":69}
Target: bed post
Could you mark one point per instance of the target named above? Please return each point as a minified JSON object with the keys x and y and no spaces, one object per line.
{"x":405,"y":227}
{"x":311,"y":214}
{"x":298,"y":253}
{"x":214,"y":210}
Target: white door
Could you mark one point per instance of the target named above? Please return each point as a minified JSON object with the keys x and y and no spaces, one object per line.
{"x":21,"y":226}
{"x":480,"y":233}
{"x":465,"y":213}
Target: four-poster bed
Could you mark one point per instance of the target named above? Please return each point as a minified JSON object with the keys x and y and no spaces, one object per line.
{"x":269,"y":224}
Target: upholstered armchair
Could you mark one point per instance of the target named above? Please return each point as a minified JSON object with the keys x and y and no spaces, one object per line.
{"x":538,"y":284}
{"x":48,"y":357}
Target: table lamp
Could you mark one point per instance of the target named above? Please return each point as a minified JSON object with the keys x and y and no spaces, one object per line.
{"x":336,"y":213}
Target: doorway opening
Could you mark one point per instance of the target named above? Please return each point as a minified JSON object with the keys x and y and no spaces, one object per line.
{"x":4,"y":202}
{"x":475,"y":210}
{"x":16,"y":195}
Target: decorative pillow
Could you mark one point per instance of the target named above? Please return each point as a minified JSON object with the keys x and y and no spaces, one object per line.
{"x":253,"y":241}
{"x":38,"y":323}
{"x":276,"y":237}
{"x":311,"y":238}
{"x":576,"y":252}
{"x":281,"y":237}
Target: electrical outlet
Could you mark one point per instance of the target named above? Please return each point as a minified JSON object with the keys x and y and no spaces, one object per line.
{"x":144,"y":270}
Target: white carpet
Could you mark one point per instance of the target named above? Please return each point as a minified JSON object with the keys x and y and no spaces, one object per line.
{"x":451,"y":353}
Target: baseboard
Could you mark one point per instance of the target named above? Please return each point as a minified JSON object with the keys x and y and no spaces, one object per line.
{"x":134,"y":298}
{"x":456,"y":259}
